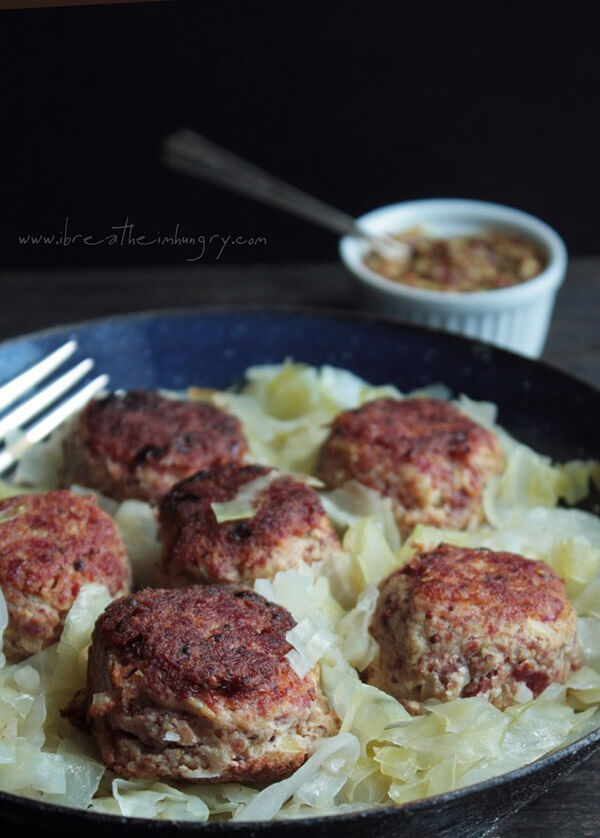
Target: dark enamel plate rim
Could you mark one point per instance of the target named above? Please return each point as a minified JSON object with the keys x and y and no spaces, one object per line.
{"x":589,"y":741}
{"x":251,"y":310}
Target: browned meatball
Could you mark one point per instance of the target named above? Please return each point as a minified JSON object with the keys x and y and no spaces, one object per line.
{"x":50,"y":545}
{"x":289,"y":527}
{"x":458,"y":622}
{"x":193,"y":685}
{"x":140,"y":444}
{"x":431,"y":459}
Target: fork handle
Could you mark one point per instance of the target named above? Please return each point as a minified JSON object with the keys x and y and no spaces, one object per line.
{"x":193,"y":154}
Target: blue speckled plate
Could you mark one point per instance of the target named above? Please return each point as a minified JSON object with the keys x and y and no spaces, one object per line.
{"x":547,"y":409}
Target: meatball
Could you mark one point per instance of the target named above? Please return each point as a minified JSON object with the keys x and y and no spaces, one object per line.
{"x":50,"y":545}
{"x":431,"y":459}
{"x":193,"y":685}
{"x":140,"y":444}
{"x":459,"y":622}
{"x":289,"y":527}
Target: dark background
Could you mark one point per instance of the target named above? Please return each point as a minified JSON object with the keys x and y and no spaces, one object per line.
{"x":361,"y":105}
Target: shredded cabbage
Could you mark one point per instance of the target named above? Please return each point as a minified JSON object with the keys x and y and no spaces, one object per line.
{"x":315,"y":784}
{"x":381,"y":754}
{"x":530,"y":481}
{"x":9,"y":490}
{"x":352,"y":502}
{"x":152,"y":799}
{"x":42,"y":465}
{"x":368,"y":557}
{"x":41,"y":755}
{"x":243,"y":505}
{"x":139,"y":528}
{"x":286,"y":409}
{"x":310,"y":639}
{"x":356,"y":642}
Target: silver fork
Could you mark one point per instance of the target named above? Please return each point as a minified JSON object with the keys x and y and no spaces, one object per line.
{"x":18,"y":436}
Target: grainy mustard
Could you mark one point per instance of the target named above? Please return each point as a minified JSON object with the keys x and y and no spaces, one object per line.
{"x":478,"y":262}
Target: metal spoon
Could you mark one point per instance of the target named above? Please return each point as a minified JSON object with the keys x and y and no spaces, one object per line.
{"x":193,"y":154}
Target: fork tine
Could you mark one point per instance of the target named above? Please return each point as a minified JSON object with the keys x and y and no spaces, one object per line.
{"x":11,"y":391}
{"x":49,"y":423}
{"x":46,"y":397}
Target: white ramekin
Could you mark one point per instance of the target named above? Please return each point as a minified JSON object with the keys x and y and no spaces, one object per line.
{"x":516,"y":317}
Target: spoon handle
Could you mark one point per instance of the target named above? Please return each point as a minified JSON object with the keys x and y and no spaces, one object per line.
{"x":193,"y":154}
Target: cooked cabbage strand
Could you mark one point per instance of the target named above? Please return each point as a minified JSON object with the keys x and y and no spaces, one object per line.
{"x":381,"y":755}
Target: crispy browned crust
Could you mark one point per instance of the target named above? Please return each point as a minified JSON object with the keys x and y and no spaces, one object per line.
{"x":462,"y":622}
{"x":289,"y":527}
{"x":140,"y":444}
{"x":199,"y":639}
{"x":207,"y":665}
{"x":50,"y":545}
{"x":431,"y":459}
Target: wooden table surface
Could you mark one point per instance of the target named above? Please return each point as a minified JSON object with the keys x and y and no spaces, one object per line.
{"x":34,"y":300}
